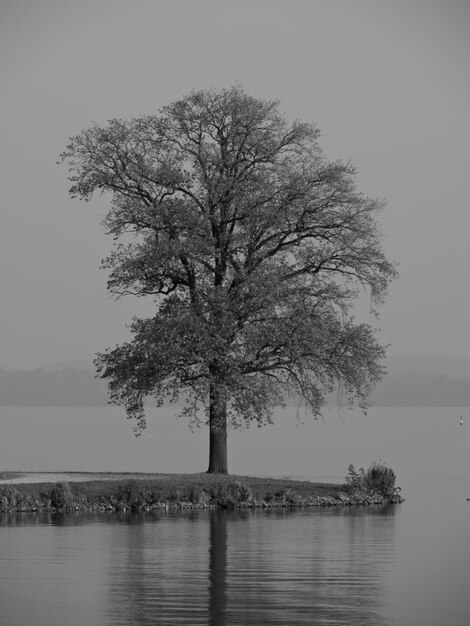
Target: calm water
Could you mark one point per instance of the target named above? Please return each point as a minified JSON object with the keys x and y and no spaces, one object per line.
{"x":407,"y":565}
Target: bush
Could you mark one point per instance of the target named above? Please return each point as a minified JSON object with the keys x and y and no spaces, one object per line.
{"x":288,"y":496}
{"x":230,"y":495}
{"x":175,"y":495}
{"x":269,"y":496}
{"x":378,"y":479}
{"x":355,"y":480}
{"x":10,"y":498}
{"x":199,"y":496}
{"x":61,"y":496}
{"x":130,"y":494}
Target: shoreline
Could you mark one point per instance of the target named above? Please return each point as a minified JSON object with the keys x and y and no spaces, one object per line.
{"x":69,"y":492}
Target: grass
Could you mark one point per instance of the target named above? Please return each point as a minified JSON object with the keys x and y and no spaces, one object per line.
{"x":149,"y":491}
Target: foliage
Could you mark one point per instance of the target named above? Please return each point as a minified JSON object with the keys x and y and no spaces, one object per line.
{"x":61,"y":496}
{"x":355,"y":480}
{"x":231,"y":495}
{"x":380,"y":479}
{"x":254,"y":248}
{"x":197,"y":491}
{"x":130,"y":495}
{"x":198,"y":495}
{"x":11,"y":498}
{"x":377,"y":479}
{"x":289,"y":496}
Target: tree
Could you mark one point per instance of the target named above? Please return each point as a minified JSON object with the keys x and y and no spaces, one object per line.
{"x":254,"y":249}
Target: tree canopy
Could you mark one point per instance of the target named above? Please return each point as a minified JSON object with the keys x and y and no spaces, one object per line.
{"x":254,"y":248}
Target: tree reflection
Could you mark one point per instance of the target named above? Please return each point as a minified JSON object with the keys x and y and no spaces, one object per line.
{"x":276,"y":567}
{"x":218,"y":568}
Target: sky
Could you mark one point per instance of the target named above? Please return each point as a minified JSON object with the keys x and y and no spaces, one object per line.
{"x":385,"y":82}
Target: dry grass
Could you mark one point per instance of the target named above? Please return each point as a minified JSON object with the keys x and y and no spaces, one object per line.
{"x":95,"y":485}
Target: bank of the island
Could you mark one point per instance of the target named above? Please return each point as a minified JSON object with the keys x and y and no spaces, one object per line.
{"x":90,"y":492}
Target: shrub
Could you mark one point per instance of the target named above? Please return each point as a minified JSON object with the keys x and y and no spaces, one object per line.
{"x":288,"y":496}
{"x":269,"y":496}
{"x":175,"y":495}
{"x":155,"y":496}
{"x":378,"y":479}
{"x":10,"y":498}
{"x":228,"y":496}
{"x":61,"y":496}
{"x":198,"y":495}
{"x":354,"y":480}
{"x":130,"y":494}
{"x":381,"y":479}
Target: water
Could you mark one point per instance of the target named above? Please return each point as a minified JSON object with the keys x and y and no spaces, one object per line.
{"x":407,"y":565}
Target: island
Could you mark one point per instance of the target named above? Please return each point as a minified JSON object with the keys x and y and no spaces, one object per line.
{"x":69,"y":492}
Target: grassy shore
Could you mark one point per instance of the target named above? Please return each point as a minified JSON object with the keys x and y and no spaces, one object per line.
{"x":115,"y":492}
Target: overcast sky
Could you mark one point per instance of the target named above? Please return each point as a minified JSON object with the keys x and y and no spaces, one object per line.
{"x":387,"y":82}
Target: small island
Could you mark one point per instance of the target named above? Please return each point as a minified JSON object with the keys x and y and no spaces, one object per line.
{"x":69,"y":492}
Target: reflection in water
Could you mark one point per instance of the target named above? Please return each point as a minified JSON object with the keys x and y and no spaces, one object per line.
{"x":201,"y":567}
{"x":276,"y":567}
{"x":218,"y":568}
{"x":309,"y":569}
{"x":158,"y":570}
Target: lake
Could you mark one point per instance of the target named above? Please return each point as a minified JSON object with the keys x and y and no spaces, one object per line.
{"x":407,"y":565}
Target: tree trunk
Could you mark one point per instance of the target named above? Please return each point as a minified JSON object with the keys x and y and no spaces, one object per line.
{"x":217,"y":430}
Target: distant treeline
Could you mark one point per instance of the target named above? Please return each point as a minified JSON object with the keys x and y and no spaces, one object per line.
{"x":77,"y":387}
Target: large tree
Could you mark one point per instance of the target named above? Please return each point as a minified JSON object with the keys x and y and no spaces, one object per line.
{"x":254,"y":249}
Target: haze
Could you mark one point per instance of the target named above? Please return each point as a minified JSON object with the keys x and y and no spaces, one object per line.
{"x":386,"y":82}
